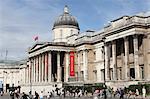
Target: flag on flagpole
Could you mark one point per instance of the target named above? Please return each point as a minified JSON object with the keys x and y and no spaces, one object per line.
{"x":36,"y":38}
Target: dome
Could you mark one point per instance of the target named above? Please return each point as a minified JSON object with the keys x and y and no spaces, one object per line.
{"x":66,"y":19}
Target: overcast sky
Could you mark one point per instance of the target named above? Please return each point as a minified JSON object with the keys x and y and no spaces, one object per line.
{"x":21,"y":20}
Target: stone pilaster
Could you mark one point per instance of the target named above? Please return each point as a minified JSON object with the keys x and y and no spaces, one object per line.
{"x":136,"y":57}
{"x":146,"y":47}
{"x":67,"y":66}
{"x":79,"y":68}
{"x":126,"y":59}
{"x":107,"y":64}
{"x":114,"y":57}
{"x":49,"y":67}
{"x":85,"y":64}
{"x":58,"y":67}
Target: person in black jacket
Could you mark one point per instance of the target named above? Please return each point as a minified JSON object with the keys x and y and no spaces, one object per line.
{"x":36,"y":95}
{"x":12,"y":95}
{"x":24,"y":96}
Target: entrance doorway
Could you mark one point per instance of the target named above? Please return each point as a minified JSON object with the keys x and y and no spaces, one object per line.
{"x":132,"y":73}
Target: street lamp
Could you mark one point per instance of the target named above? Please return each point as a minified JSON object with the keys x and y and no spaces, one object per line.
{"x":103,"y":40}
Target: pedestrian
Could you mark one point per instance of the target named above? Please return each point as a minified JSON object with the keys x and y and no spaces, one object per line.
{"x":1,"y":93}
{"x":37,"y":96}
{"x":80,"y":93}
{"x":144,"y":92}
{"x":41,"y":95}
{"x":121,"y":93}
{"x":137,"y":92}
{"x":17,"y":95}
{"x":12,"y":95}
{"x":104,"y":94}
{"x":30,"y":95}
{"x":24,"y":96}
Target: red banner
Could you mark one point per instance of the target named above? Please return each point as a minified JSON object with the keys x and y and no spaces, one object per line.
{"x":72,"y":64}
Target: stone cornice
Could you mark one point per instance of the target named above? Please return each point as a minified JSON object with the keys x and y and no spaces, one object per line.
{"x":53,"y":46}
{"x":50,"y":48}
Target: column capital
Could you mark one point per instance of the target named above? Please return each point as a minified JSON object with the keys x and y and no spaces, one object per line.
{"x":58,"y":52}
{"x":126,"y":38}
{"x":145,"y":36}
{"x":113,"y":42}
{"x":135,"y":36}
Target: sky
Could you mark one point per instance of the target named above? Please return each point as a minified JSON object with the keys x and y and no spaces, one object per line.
{"x":22,"y":20}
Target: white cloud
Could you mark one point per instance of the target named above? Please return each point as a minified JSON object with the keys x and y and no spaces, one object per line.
{"x":21,"y":22}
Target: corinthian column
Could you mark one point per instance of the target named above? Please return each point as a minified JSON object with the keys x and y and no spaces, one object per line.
{"x":136,"y":57}
{"x":42,"y":73}
{"x":34,"y":69}
{"x":49,"y":67}
{"x":126,"y":69}
{"x":30,"y":64}
{"x":46,"y":61}
{"x":67,"y":66}
{"x":114,"y":57}
{"x":39,"y":68}
{"x":58,"y":67}
{"x":85,"y":65}
{"x":27,"y":80}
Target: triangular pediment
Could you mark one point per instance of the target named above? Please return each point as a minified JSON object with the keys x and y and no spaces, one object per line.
{"x":37,"y":45}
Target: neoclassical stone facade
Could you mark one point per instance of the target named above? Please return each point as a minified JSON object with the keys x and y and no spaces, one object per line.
{"x":12,"y":75}
{"x":125,"y":52}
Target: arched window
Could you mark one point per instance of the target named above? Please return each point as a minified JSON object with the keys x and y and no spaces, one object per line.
{"x":71,"y":32}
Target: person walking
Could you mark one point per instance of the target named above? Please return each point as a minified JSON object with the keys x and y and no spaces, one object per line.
{"x":36,"y":95}
{"x":41,"y":95}
{"x":121,"y":93}
{"x":137,"y":93}
{"x":30,"y":95}
{"x":12,"y":95}
{"x":24,"y":96}
{"x":144,"y":92}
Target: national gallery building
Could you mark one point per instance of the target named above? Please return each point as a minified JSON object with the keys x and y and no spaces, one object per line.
{"x":118,"y":53}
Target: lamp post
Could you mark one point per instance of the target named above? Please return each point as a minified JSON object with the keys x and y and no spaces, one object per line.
{"x":103,"y":40}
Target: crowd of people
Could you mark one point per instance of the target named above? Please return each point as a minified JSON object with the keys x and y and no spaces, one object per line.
{"x":61,"y":92}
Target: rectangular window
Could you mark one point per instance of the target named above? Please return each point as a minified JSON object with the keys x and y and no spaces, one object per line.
{"x":95,"y":75}
{"x":82,"y":75}
{"x":111,"y":73}
{"x":94,"y":55}
{"x":142,"y":72}
{"x":102,"y":74}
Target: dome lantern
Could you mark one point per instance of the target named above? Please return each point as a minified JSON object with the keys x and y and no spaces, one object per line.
{"x":66,"y":20}
{"x":66,"y":9}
